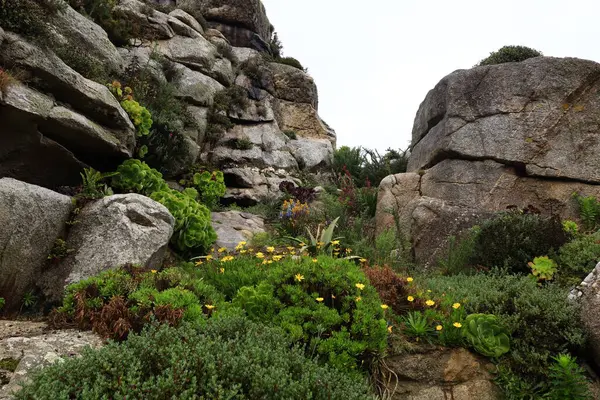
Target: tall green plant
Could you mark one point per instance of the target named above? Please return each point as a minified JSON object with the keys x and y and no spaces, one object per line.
{"x":589,"y":211}
{"x":567,"y":380}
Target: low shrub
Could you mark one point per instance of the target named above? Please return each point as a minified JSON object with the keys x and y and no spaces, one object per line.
{"x":508,"y":54}
{"x":390,"y":286}
{"x":514,"y":238}
{"x":291,"y":61}
{"x":227,"y":358}
{"x":119,"y":30}
{"x":28,"y":17}
{"x":300,"y":193}
{"x":118,"y":302}
{"x":324,"y":302}
{"x":242,"y":143}
{"x":210,"y":185}
{"x":78,"y":59}
{"x":540,"y":321}
{"x":291,"y":134}
{"x":365,"y":165}
{"x":577,"y":258}
{"x":139,"y":115}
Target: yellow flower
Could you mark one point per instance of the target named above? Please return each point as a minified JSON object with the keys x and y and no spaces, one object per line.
{"x":348,"y":251}
{"x":292,"y":252}
{"x":270,"y":262}
{"x":209,"y":306}
{"x":335,"y":242}
{"x":277,"y":258}
{"x":363,"y":260}
{"x":384,"y":306}
{"x":264,"y":262}
{"x":409,"y":279}
{"x":430,"y":303}
{"x":410,"y":298}
{"x":439,"y":328}
{"x":456,"y":306}
{"x":270,"y":249}
{"x":222,"y":250}
{"x":243,"y":251}
{"x":199,"y":262}
{"x":299,"y":277}
{"x":222,"y":270}
{"x":358,"y":298}
{"x":457,"y":325}
{"x":390,"y":329}
{"x":260,"y":255}
{"x":241,"y":244}
{"x":360,"y":286}
{"x":428,"y":290}
{"x":154,"y":271}
{"x":212,"y":249}
{"x":302,"y":244}
{"x":314,"y":260}
{"x":209,"y":257}
{"x":319,"y":299}
{"x":290,"y":248}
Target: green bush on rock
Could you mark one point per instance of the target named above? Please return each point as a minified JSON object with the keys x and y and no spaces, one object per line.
{"x":227,"y":358}
{"x":508,"y":54}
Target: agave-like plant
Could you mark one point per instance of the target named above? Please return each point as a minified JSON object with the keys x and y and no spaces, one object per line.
{"x":321,"y":242}
{"x":486,"y":335}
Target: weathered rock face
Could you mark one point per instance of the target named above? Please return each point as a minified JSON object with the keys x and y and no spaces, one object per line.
{"x":514,"y":134}
{"x":233,"y":227}
{"x":61,"y":122}
{"x":111,"y":232}
{"x":443,"y":374}
{"x":588,"y":295}
{"x":243,"y":22}
{"x":31,"y":219}
{"x":32,"y":346}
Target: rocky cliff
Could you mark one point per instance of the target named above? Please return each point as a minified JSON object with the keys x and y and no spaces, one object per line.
{"x":491,"y":137}
{"x":58,"y":116}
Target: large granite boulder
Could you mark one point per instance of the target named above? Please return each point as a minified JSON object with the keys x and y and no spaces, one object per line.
{"x":31,"y":219}
{"x":587,"y":294}
{"x":493,"y":137}
{"x":111,"y":232}
{"x":440,"y":374}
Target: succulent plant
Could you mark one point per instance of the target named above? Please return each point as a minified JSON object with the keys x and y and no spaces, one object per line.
{"x":543,"y":268}
{"x":486,"y":335}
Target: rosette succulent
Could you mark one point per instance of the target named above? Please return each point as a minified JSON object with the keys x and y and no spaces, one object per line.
{"x":486,"y":335}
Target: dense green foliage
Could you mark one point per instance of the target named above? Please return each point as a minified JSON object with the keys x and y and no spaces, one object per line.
{"x":193,"y":232}
{"x":567,"y":380}
{"x":589,"y":212}
{"x":101,"y":12}
{"x":486,"y":335}
{"x":139,"y":115}
{"x":365,"y":165}
{"x":508,"y":54}
{"x":291,"y":61}
{"x":211,"y":186}
{"x":577,"y":258}
{"x":540,"y":321}
{"x":226,"y":358}
{"x":512,"y":239}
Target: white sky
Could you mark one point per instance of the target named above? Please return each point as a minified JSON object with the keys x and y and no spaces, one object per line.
{"x":374,"y":61}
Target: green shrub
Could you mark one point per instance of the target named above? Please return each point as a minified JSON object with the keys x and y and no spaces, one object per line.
{"x":291,"y":134}
{"x":92,"y":186}
{"x":29,"y":17}
{"x":512,"y":239}
{"x":459,"y":254}
{"x":228,"y":358}
{"x":486,"y":335}
{"x":326,"y":303}
{"x":368,"y":167}
{"x":78,"y":59}
{"x":120,"y":301}
{"x":508,"y":54}
{"x":211,"y":186}
{"x":59,"y":251}
{"x":119,"y":31}
{"x":275,"y":46}
{"x":589,"y":211}
{"x":567,"y":380}
{"x":543,"y":268}
{"x":139,"y":115}
{"x":577,"y":258}
{"x":241,"y":144}
{"x":136,"y":176}
{"x":540,"y":321}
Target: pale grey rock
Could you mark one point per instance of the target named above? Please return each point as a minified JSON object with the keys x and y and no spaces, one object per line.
{"x":267,"y":136}
{"x":243,"y":54}
{"x":154,"y":24}
{"x":257,"y":111}
{"x":293,"y":84}
{"x":111,"y":232}
{"x":69,"y":30}
{"x":312,"y":154}
{"x":31,"y":219}
{"x":587,"y":295}
{"x":200,"y":116}
{"x":539,"y":113}
{"x":251,"y":185}
{"x":233,"y":227}
{"x":91,"y":98}
{"x":187,"y":19}
{"x":196,"y":53}
{"x":180,"y":28}
{"x":43,"y":349}
{"x":195,"y":87}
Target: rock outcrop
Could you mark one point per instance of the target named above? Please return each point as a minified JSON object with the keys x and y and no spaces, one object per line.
{"x":233,"y":227}
{"x":31,"y":219}
{"x":587,"y":294}
{"x":61,"y":122}
{"x":513,"y":134}
{"x":440,"y":374}
{"x":111,"y":232}
{"x":31,"y":345}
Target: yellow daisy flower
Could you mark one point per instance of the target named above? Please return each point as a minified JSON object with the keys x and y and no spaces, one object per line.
{"x":410,"y":298}
{"x":260,"y":255}
{"x":439,"y":328}
{"x":385,"y":306}
{"x":360,"y":286}
{"x":409,"y":279}
{"x":270,"y":249}
{"x":222,"y":250}
{"x":430,"y":303}
{"x":457,"y":325}
{"x":319,"y":299}
{"x":209,"y":306}
{"x":299,"y":277}
{"x":456,"y":306}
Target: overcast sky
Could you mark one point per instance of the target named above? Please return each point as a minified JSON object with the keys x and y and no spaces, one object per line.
{"x":374,"y":61}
